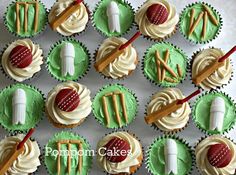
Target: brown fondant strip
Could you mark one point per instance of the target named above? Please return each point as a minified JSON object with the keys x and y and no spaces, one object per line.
{"x":204,"y":27}
{"x":196,"y":23}
{"x":114,"y":100}
{"x":107,"y":117}
{"x":80,"y":159}
{"x":158,"y":65}
{"x":122,"y":96}
{"x":180,"y":73}
{"x":192,"y":12}
{"x":59,"y":158}
{"x":17,"y":17}
{"x":170,"y":80}
{"x":36,"y":18}
{"x":212,"y":17}
{"x":167,"y":54}
{"x":26,"y":16}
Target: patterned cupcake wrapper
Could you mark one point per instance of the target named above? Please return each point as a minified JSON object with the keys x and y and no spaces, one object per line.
{"x":84,"y":48}
{"x":75,"y":34}
{"x":29,"y":80}
{"x":190,"y":65}
{"x":209,"y":132}
{"x":160,"y":84}
{"x":124,"y":126}
{"x":38,"y":34}
{"x":85,"y":140}
{"x":175,"y":131}
{"x":24,"y":131}
{"x":148,"y":151}
{"x":200,"y":42}
{"x":136,"y":137}
{"x":101,"y":32}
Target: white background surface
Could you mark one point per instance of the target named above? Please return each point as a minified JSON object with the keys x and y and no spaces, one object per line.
{"x":90,"y":129}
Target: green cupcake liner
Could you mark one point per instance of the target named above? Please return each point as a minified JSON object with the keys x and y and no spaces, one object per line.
{"x":112,"y":35}
{"x":60,"y":79}
{"x":148,"y":151}
{"x":15,"y":33}
{"x":200,"y":42}
{"x":24,"y":131}
{"x":160,"y":84}
{"x":209,"y":132}
{"x":131,"y":92}
{"x":189,"y":69}
{"x":75,"y":134}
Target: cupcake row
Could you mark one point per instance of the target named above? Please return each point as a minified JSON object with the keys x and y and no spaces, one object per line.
{"x":118,"y":153}
{"x":164,"y":64}
{"x":157,"y":20}
{"x":114,"y":106}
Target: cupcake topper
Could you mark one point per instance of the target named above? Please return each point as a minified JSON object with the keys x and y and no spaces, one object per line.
{"x":18,"y":149}
{"x":73,"y":7}
{"x":19,"y":107}
{"x":67,"y":59}
{"x":113,"y":17}
{"x":211,"y":68}
{"x":217,"y":114}
{"x":168,"y":109}
{"x":157,"y":14}
{"x":171,"y":153}
{"x":101,"y":64}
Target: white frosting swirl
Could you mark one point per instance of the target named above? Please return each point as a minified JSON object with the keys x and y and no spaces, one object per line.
{"x":75,"y":116}
{"x":21,"y":74}
{"x":75,"y":23}
{"x":27,"y":162}
{"x":202,"y":160}
{"x":174,"y":121}
{"x":122,"y":65}
{"x":220,"y":76}
{"x":131,"y":160}
{"x":157,"y":31}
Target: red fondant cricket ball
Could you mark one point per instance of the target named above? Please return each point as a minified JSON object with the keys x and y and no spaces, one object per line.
{"x":157,"y":14}
{"x":67,"y":100}
{"x":21,"y":56}
{"x":117,"y":150}
{"x":219,"y":155}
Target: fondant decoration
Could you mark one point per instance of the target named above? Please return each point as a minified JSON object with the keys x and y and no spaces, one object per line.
{"x":73,"y":7}
{"x":117,"y":144}
{"x":21,"y":56}
{"x":67,"y":100}
{"x":219,"y":155}
{"x":26,"y":7}
{"x":113,"y":17}
{"x":171,"y":153}
{"x":80,"y":156}
{"x":115,"y":105}
{"x":157,"y":14}
{"x":19,"y":107}
{"x":67,"y":59}
{"x":217,"y":114}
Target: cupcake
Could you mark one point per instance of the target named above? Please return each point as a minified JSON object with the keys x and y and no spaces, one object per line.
{"x":27,"y":159}
{"x":68,"y":59}
{"x":119,"y":153}
{"x":113,"y":18}
{"x":22,"y":107}
{"x":115,"y":106}
{"x":205,"y":59}
{"x":165,"y":64}
{"x":214,"y":113}
{"x":157,"y":19}
{"x":22,"y":59}
{"x":68,"y":17}
{"x":123,"y":65}
{"x":25,"y":18}
{"x":216,"y":155}
{"x":200,"y":23}
{"x":175,"y":121}
{"x":68,"y":153}
{"x":169,"y":155}
{"x":68,"y":104}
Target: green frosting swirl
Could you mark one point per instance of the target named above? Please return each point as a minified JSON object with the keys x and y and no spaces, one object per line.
{"x":201,"y":112}
{"x":156,"y":157}
{"x":100,"y":18}
{"x":176,"y":57}
{"x":51,"y":153}
{"x":130,"y":104}
{"x":34,"y":107}
{"x":10,"y":19}
{"x":81,"y":61}
{"x":212,"y":30}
